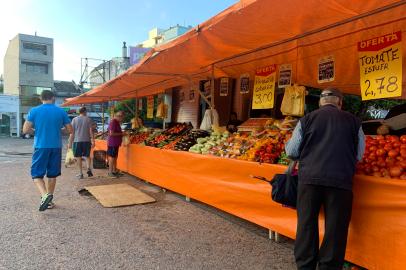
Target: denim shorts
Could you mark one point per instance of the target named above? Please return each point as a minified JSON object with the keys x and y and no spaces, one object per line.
{"x":46,"y":162}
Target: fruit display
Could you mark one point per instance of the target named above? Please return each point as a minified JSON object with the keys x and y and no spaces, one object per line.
{"x":187,"y":141}
{"x":139,"y":137}
{"x":264,"y":147}
{"x":385,"y":156}
{"x":204,"y":145}
{"x":160,"y":139}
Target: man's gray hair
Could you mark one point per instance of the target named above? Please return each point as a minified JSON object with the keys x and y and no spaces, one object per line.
{"x":331,"y":96}
{"x":329,"y":100}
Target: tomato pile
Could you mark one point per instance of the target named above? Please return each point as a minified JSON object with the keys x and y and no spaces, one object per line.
{"x":385,"y":156}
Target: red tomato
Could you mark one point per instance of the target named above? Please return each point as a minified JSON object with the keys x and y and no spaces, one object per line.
{"x":395,"y":171}
{"x":374,"y":142}
{"x":380,"y":152}
{"x":387,"y":147}
{"x":375,"y":168}
{"x":390,"y":161}
{"x":403,"y":139}
{"x":381,"y":163}
{"x":403,"y":176}
{"x":403,"y":146}
{"x":403,"y":153}
{"x":373,"y":148}
{"x":385,"y":173}
{"x":379,"y":137}
{"x":372,"y":156}
{"x":396,"y":144}
{"x":402,"y":164}
{"x":381,"y":142}
{"x":399,"y":158}
{"x":393,"y":153}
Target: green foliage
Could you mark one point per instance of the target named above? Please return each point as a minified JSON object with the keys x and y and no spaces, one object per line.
{"x":124,"y":106}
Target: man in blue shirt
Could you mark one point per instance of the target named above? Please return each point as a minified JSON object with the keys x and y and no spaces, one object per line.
{"x":47,"y":122}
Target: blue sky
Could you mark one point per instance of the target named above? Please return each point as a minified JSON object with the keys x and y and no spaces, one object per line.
{"x":96,"y":28}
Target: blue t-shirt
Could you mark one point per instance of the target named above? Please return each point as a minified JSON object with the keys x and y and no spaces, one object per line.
{"x":48,"y":120}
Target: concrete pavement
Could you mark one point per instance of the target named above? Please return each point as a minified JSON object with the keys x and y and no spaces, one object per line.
{"x":80,"y":234}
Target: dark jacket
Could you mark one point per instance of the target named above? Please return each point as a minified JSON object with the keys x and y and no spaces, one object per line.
{"x":328,"y":152}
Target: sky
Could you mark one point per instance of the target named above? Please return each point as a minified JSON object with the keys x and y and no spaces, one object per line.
{"x":96,"y":28}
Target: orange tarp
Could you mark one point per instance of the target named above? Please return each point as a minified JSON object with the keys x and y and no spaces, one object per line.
{"x":377,"y":237}
{"x":255,"y":33}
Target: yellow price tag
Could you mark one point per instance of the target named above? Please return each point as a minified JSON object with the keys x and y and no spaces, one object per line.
{"x":380,"y":62}
{"x":264,"y":88}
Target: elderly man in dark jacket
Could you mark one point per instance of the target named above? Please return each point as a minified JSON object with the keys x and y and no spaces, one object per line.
{"x":327,"y":142}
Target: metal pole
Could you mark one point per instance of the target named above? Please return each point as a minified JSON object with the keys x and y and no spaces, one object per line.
{"x":103,"y":116}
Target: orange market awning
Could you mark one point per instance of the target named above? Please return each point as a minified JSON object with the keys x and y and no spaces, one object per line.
{"x":256,"y":33}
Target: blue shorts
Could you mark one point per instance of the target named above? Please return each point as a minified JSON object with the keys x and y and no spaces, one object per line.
{"x":46,"y":162}
{"x":112,"y":151}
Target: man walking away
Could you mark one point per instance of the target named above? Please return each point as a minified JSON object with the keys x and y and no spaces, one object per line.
{"x":82,"y":140}
{"x":46,"y":120}
{"x":328,"y":142}
{"x":114,"y":142}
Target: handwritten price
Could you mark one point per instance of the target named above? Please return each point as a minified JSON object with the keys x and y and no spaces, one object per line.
{"x":381,"y":85}
{"x":263,"y":98}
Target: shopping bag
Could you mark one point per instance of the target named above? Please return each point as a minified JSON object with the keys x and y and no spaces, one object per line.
{"x":126,"y":140}
{"x":70,"y":158}
{"x":293,"y":102}
{"x":284,"y":187}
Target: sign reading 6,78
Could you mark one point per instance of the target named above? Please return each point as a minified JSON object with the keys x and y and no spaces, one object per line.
{"x":380,"y":62}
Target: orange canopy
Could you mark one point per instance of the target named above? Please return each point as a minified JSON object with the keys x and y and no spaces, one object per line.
{"x":255,"y":33}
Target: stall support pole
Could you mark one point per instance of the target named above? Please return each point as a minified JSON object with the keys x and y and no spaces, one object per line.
{"x":271,"y":235}
{"x":212,"y":88}
{"x":103,"y":121}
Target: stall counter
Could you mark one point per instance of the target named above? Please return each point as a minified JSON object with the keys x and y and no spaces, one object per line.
{"x":377,"y":236}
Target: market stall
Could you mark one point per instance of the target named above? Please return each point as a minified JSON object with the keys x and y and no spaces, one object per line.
{"x":337,"y":49}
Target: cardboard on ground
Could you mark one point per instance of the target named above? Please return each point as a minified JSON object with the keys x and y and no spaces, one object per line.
{"x":119,"y":195}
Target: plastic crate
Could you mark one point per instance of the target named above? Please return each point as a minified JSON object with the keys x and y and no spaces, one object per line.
{"x":99,"y":159}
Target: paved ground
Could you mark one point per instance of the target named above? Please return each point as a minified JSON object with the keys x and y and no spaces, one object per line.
{"x":80,"y":234}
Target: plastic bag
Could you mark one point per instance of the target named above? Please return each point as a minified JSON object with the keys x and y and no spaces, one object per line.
{"x":293,"y":102}
{"x":70,"y":158}
{"x":126,"y":140}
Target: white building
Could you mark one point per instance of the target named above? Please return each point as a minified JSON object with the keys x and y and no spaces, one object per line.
{"x":28,"y":70}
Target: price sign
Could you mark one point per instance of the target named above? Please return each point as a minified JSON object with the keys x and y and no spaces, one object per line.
{"x":224,"y":87}
{"x":244,"y":83}
{"x":380,"y":63}
{"x":326,"y":69}
{"x":150,"y":107}
{"x":264,"y":88}
{"x":285,"y":75}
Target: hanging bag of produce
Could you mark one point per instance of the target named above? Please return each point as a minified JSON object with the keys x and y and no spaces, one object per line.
{"x":293,"y":102}
{"x":284,"y":187}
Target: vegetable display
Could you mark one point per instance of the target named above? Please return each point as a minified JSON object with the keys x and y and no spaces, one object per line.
{"x":385,"y":156}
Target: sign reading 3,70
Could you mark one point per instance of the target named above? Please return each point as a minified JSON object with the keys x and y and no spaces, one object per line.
{"x":380,"y":62}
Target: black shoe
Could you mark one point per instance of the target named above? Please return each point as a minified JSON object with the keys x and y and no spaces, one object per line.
{"x":46,"y":199}
{"x":89,"y":173}
{"x":118,"y":174}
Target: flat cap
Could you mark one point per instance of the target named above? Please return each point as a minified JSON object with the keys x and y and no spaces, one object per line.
{"x":331,"y":92}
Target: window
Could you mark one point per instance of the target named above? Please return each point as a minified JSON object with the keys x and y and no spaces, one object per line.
{"x":35,"y":48}
{"x":31,"y":67}
{"x":30,"y":95}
